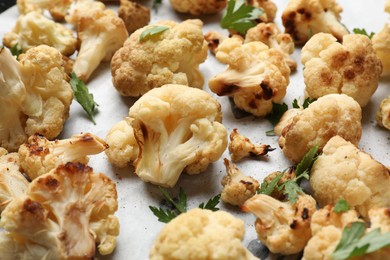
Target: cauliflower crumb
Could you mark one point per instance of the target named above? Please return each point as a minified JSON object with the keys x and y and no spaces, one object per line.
{"x":198,"y":7}
{"x":134,"y":15}
{"x":383,"y":113}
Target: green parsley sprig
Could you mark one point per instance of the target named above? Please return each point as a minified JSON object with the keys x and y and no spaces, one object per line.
{"x":156,"y":5}
{"x":211,"y":204}
{"x":364,"y":32}
{"x":305,"y":104}
{"x":341,"y":206}
{"x":16,"y":50}
{"x":152,"y":31}
{"x":277,"y":112}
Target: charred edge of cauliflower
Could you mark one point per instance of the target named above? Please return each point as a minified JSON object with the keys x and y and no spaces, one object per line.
{"x":198,"y":7}
{"x":213,"y":39}
{"x":134,"y":15}
{"x":383,"y":114}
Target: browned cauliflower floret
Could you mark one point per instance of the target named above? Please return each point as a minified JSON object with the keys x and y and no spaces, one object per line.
{"x":268,"y":6}
{"x":57,"y":8}
{"x":269,"y":34}
{"x":172,"y":56}
{"x":329,"y":116}
{"x":39,"y":155}
{"x":285,"y":120}
{"x":282,"y":227}
{"x":383,"y":114}
{"x":381,"y":45}
{"x":237,"y":187}
{"x":63,"y":215}
{"x":343,"y":171}
{"x":198,"y":7}
{"x":213,"y":39}
{"x":35,"y":95}
{"x":134,"y":15}
{"x":202,"y":234}
{"x":34,"y":29}
{"x":350,"y":68}
{"x":241,"y":147}
{"x":176,"y":129}
{"x":304,"y":18}
{"x":256,"y":76}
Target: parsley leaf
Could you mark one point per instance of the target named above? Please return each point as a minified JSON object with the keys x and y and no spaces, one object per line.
{"x":82,"y":96}
{"x":277,"y":112}
{"x":270,"y":133}
{"x":156,"y":4}
{"x":363,"y":31}
{"x":291,"y":189}
{"x":148,"y":33}
{"x":307,"y":162}
{"x":239,"y":16}
{"x":341,"y":206}
{"x":268,"y":187}
{"x":181,"y":205}
{"x":305,"y":104}
{"x":211,"y":204}
{"x":16,"y":51}
{"x":163,"y":215}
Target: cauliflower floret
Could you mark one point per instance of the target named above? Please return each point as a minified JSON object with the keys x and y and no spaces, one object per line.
{"x":268,"y":6}
{"x":269,"y":34}
{"x":237,"y":187}
{"x":80,"y":8}
{"x":57,"y":8}
{"x":305,"y":18}
{"x":329,"y":116}
{"x":383,"y":114}
{"x":343,"y":171}
{"x":63,"y":215}
{"x":213,"y":39}
{"x":34,"y":29}
{"x":201,"y":234}
{"x":288,"y":174}
{"x":282,"y":227}
{"x":255,"y":77}
{"x":387,"y":6}
{"x":285,"y":120}
{"x":350,"y":68}
{"x":381,"y":45}
{"x":39,"y":155}
{"x":241,"y":147}
{"x":176,"y":129}
{"x":198,"y":7}
{"x":34,"y":95}
{"x":172,"y":56}
{"x":134,"y":15}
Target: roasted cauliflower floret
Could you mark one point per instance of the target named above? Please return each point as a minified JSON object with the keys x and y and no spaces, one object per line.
{"x":57,"y":8}
{"x":237,"y":187}
{"x":343,"y":171}
{"x":329,"y":116}
{"x":134,"y":15}
{"x":383,"y":113}
{"x":268,"y":6}
{"x":387,"y":6}
{"x":256,"y":76}
{"x":63,"y":215}
{"x":288,"y":174}
{"x":35,"y":95}
{"x":282,"y":227}
{"x":381,"y":45}
{"x":350,"y":68}
{"x":285,"y":120}
{"x":305,"y":18}
{"x":34,"y":29}
{"x":201,"y":234}
{"x":269,"y":34}
{"x":198,"y":7}
{"x":101,"y":34}
{"x":81,"y":8}
{"x":172,"y":56}
{"x":213,"y":39}
{"x":176,"y":129}
{"x":39,"y":155}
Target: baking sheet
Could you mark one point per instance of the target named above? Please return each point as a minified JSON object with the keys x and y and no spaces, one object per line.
{"x":139,"y":226}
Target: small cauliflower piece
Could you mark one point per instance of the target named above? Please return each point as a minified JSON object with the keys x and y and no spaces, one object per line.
{"x":305,"y":18}
{"x":241,"y":147}
{"x":101,"y":34}
{"x":350,"y":68}
{"x":176,"y":129}
{"x":34,"y":95}
{"x":344,"y":171}
{"x":213,"y":39}
{"x":381,"y":45}
{"x":63,"y":215}
{"x":201,"y":234}
{"x":383,"y":113}
{"x":39,"y":155}
{"x":134,"y":15}
{"x":285,"y":120}
{"x":288,"y":174}
{"x":269,"y":34}
{"x":80,"y":8}
{"x":170,"y":57}
{"x":237,"y":187}
{"x":329,"y":116}
{"x":256,"y":76}
{"x":198,"y":7}
{"x":269,"y":8}
{"x":57,"y":8}
{"x":282,"y":227}
{"x":34,"y":29}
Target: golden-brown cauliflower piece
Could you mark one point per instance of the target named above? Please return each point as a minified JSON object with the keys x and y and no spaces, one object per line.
{"x":39,"y":155}
{"x":176,"y":129}
{"x":282,"y":227}
{"x":237,"y":187}
{"x":63,"y":215}
{"x":134,"y":15}
{"x":329,"y":116}
{"x":81,"y":8}
{"x":268,"y":6}
{"x":350,"y":68}
{"x":344,"y":171}
{"x":198,"y":7}
{"x":383,"y":113}
{"x":285,"y":120}
{"x":172,"y":56}
{"x":269,"y":34}
{"x":34,"y":29}
{"x":387,"y":6}
{"x":57,"y":8}
{"x":256,"y":76}
{"x":305,"y":18}
{"x":381,"y":45}
{"x":201,"y":234}
{"x":213,"y":39}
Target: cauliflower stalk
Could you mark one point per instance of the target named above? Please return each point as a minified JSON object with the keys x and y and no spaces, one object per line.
{"x":383,"y":114}
{"x":176,"y":128}
{"x":256,"y":76}
{"x":198,"y":7}
{"x":62,"y":215}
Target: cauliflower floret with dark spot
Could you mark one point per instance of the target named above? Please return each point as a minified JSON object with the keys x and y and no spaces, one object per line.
{"x":213,"y":39}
